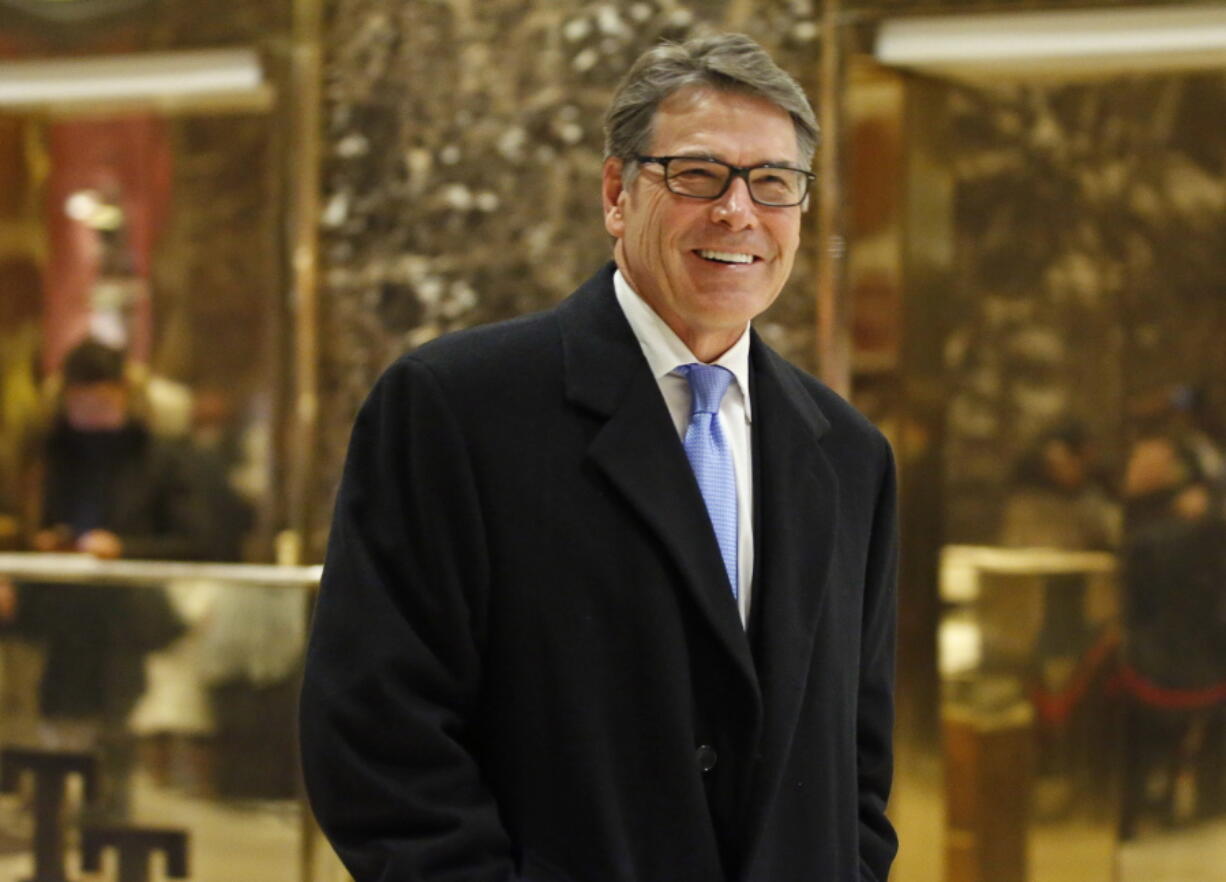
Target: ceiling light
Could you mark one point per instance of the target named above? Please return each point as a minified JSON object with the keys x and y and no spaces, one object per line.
{"x":148,"y":76}
{"x":1060,"y":43}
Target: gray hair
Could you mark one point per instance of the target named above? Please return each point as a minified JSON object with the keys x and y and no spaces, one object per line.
{"x":727,"y":62}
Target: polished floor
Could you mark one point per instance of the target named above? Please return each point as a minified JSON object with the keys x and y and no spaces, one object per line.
{"x":1065,"y":852}
{"x":262,"y":842}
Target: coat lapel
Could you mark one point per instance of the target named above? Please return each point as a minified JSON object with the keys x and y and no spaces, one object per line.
{"x":638,"y":451}
{"x":797,"y":501}
{"x":796,"y":507}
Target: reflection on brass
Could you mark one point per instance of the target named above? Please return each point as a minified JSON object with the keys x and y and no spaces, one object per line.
{"x":260,"y":99}
{"x":304,"y":121}
{"x":988,"y":776}
{"x":1029,"y":719}
{"x":204,"y":741}
{"x":833,"y":312}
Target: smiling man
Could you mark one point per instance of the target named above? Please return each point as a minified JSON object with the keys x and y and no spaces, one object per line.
{"x":610,"y":590}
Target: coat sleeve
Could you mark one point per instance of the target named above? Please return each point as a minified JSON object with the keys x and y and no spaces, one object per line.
{"x":393,"y":670}
{"x":875,"y":705}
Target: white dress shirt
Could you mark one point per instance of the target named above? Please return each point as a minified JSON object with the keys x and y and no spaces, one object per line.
{"x":665,"y":353}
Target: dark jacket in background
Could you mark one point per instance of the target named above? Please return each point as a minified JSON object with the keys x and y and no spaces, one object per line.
{"x":154,"y":495}
{"x":1175,"y":601}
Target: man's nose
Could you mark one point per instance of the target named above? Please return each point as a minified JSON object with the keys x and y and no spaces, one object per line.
{"x":736,"y":208}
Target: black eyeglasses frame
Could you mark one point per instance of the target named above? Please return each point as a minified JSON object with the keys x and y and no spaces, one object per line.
{"x":735,"y":171}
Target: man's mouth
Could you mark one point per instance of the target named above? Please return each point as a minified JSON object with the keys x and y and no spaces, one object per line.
{"x":725,"y":256}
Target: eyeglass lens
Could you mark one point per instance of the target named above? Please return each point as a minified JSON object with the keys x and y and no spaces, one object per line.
{"x":706,"y":180}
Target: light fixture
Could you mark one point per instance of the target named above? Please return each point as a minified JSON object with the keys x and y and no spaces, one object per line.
{"x":89,"y":207}
{"x":1059,"y":43}
{"x":146,"y":77}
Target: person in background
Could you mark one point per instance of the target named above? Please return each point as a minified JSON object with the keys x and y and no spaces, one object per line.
{"x":1182,"y":414}
{"x":1057,"y":502}
{"x":109,"y":488}
{"x":1055,"y":499}
{"x":1174,"y":613}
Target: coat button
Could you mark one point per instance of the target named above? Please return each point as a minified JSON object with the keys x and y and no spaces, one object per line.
{"x":707,"y":757}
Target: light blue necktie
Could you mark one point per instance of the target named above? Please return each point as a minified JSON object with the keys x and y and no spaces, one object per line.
{"x":711,"y":457}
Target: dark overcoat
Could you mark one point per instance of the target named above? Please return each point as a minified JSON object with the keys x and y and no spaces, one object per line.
{"x":526,"y":662}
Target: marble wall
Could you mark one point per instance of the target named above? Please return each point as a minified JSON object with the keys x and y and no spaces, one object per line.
{"x":463,"y":151}
{"x":1090,"y":225}
{"x":218,"y":270}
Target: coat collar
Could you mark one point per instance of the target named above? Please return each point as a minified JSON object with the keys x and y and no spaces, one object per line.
{"x":638,"y":451}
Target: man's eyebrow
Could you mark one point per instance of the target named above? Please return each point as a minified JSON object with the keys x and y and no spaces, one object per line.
{"x":773,"y":163}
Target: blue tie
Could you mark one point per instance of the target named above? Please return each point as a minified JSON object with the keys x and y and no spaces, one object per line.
{"x":711,"y":457}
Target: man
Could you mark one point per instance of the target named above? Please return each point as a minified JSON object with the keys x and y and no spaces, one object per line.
{"x":1174,"y":618}
{"x":109,"y":488}
{"x":570,"y":631}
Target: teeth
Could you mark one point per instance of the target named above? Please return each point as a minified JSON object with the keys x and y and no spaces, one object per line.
{"x":726,"y":256}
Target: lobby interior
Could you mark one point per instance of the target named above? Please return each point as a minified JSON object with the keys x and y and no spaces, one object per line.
{"x":1012,"y":264}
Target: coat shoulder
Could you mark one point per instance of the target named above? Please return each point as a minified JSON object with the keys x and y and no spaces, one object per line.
{"x":506,"y":360}
{"x":488,"y":367}
{"x":489,"y":349}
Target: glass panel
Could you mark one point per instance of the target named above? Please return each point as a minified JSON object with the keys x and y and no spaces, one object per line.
{"x":180,"y":682}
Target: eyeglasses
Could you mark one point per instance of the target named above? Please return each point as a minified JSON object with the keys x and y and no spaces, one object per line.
{"x":769,"y":184}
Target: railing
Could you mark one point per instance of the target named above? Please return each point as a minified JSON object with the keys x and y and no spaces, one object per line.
{"x":82,"y":569}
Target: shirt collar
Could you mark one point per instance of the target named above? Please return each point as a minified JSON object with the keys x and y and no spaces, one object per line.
{"x":665,"y":351}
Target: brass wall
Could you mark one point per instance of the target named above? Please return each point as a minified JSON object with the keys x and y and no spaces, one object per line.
{"x":1060,"y":251}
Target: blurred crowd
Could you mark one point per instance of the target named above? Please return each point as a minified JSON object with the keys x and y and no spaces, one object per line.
{"x":1164,"y":516}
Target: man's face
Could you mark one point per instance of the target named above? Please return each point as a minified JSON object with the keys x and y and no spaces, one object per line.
{"x":96,"y":407}
{"x":665,"y":241}
{"x":1065,"y":466}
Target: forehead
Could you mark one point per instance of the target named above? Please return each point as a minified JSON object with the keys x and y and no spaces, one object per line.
{"x":732,"y":126}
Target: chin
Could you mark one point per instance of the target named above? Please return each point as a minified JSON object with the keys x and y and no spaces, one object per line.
{"x":734,"y":306}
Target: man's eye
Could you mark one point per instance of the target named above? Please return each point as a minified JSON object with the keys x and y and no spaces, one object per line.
{"x":694,"y":173}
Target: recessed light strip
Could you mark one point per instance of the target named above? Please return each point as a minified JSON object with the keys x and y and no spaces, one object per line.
{"x":151,"y":75}
{"x":935,"y":41}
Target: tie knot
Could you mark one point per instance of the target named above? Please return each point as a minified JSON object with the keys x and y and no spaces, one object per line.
{"x":708,"y":383}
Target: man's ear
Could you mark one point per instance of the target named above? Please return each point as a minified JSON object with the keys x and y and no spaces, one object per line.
{"x":613,"y":196}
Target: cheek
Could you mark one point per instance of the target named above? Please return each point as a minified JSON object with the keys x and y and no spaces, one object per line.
{"x":788,"y":237}
{"x":649,"y":232}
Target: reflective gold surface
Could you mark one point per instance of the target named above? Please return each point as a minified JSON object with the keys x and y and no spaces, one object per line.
{"x":1013,"y":254}
{"x":1031,"y":728}
{"x":1002,"y":337}
{"x":207,"y":748}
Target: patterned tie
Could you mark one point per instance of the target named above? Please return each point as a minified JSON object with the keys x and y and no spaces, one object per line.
{"x":711,"y":457}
